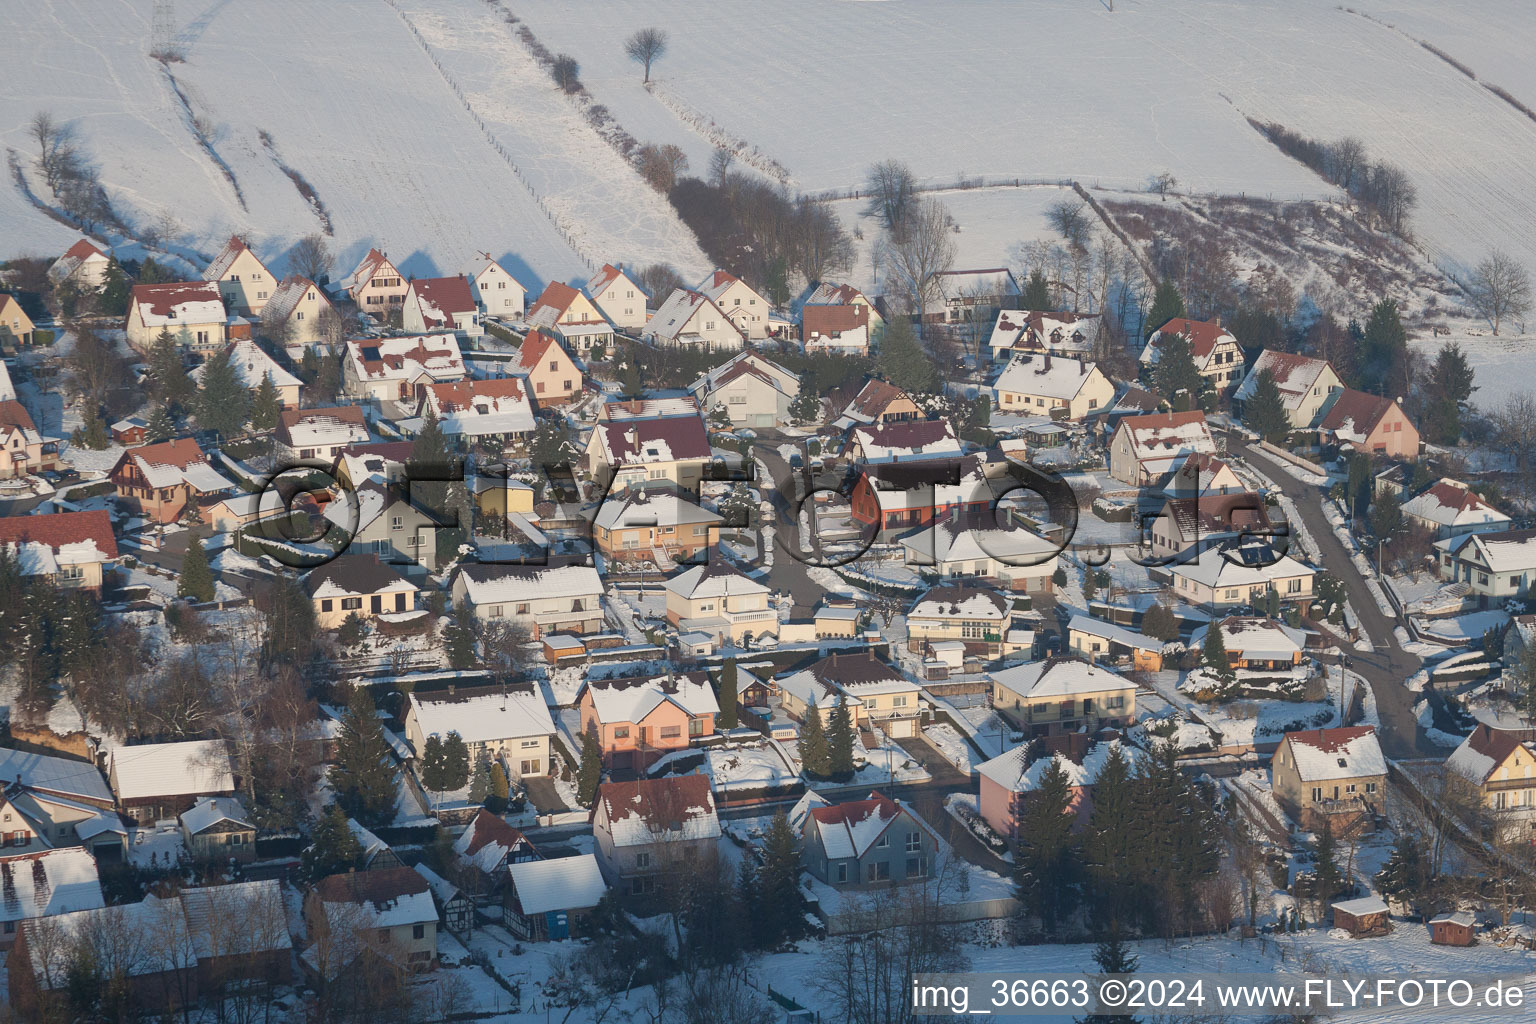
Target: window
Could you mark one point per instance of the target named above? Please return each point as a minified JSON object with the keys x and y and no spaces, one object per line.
{"x":842,"y":876}
{"x":695,"y":727}
{"x":418,"y":931}
{"x":671,"y":732}
{"x":529,"y":744}
{"x":493,"y":612}
{"x":1370,"y":787}
{"x":917,"y":867}
{"x":1293,"y":586}
{"x":522,"y":609}
{"x":883,"y":842}
{"x":621,"y":732}
{"x":879,"y":871}
{"x":397,"y":522}
{"x":914,"y":842}
{"x":1317,"y":792}
{"x":350,"y":604}
{"x":325,"y":604}
{"x":642,"y":860}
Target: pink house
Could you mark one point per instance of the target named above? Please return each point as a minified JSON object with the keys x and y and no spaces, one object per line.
{"x":1008,"y":780}
{"x":637,"y":721}
{"x":1369,"y":423}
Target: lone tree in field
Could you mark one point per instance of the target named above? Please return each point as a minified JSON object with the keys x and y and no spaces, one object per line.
{"x":892,"y":191}
{"x":1500,"y":289}
{"x":646,"y":47}
{"x":566,"y":72}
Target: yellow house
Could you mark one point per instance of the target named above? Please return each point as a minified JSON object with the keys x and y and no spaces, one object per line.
{"x":1038,"y":385}
{"x":15,"y":326}
{"x":251,"y":365}
{"x":1501,"y":767}
{"x":560,"y":305}
{"x":660,"y":528}
{"x":358,"y":585}
{"x":620,"y":299}
{"x":977,"y":617}
{"x":1097,"y":640}
{"x":69,"y":549}
{"x":497,"y":496}
{"x":876,"y":692}
{"x":23,"y":449}
{"x":299,"y":315}
{"x":1062,"y":695}
{"x":660,"y":451}
{"x":245,"y":284}
{"x":192,"y":311}
{"x":1305,"y":384}
{"x":1323,"y":772}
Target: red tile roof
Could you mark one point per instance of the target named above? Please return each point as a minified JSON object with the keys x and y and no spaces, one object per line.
{"x":82,"y":249}
{"x":61,"y":528}
{"x":1359,"y":408}
{"x":831,"y":320}
{"x":453,"y":396}
{"x":162,"y":298}
{"x":449,"y":294}
{"x":661,"y":803}
{"x":535,"y":347}
{"x":377,"y":886}
{"x":14,"y":414}
{"x":873,"y":398}
{"x":181,"y":453}
{"x":488,"y":828}
{"x":1202,"y":335}
{"x":685,"y":437}
{"x":1331,"y":741}
{"x":290,"y":418}
{"x":557,"y":296}
{"x":851,"y":812}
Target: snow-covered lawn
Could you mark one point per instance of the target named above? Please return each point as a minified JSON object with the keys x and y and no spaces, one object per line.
{"x":747,"y":767}
{"x":952,"y":745}
{"x":1463,"y":629}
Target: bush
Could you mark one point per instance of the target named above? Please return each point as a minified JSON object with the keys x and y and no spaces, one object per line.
{"x":42,"y":337}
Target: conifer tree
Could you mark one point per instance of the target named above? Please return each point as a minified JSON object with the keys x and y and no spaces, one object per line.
{"x":590,"y":772}
{"x":432,"y":767}
{"x":904,"y":361}
{"x":1037,"y":292}
{"x":1384,"y":350}
{"x":1112,"y":956}
{"x":333,"y":847}
{"x":459,"y":637}
{"x":1175,"y":375}
{"x":196,"y":579}
{"x":1108,"y":853}
{"x":455,"y":761}
{"x":266,"y":405}
{"x":500,"y":793}
{"x":840,"y":740}
{"x":480,"y":781}
{"x":1264,"y":412}
{"x":1215,"y":653}
{"x":806,"y":407}
{"x":115,"y":290}
{"x":290,"y":621}
{"x":364,"y":773}
{"x":727,"y":718}
{"x":223,"y":403}
{"x":1272,"y":603}
{"x":1330,"y":880}
{"x":780,"y":903}
{"x":1046,"y":859}
{"x":815,"y":755}
{"x":95,"y":437}
{"x":1405,"y":877}
{"x":160,"y":426}
{"x":1167,"y":304}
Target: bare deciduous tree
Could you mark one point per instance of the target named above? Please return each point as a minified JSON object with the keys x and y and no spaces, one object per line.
{"x":923,"y":250}
{"x":1070,"y":219}
{"x":1162,"y":183}
{"x":646,"y":47}
{"x":661,"y":166}
{"x":566,"y":72}
{"x":892,"y":194}
{"x":658,"y":280}
{"x":1346,"y":157}
{"x":311,"y":257}
{"x":1500,"y":289}
{"x":720,"y":165}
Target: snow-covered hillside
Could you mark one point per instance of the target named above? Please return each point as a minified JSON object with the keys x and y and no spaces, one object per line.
{"x":430,"y":159}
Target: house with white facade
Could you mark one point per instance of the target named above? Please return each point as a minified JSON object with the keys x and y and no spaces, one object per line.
{"x":497,"y":292}
{"x":192,"y":311}
{"x":1305,"y":384}
{"x":376,"y":286}
{"x":300,"y":315}
{"x":1241,"y":574}
{"x":648,"y":828}
{"x":441,"y":304}
{"x":1450,"y":509}
{"x":573,"y":316}
{"x":740,"y":303}
{"x":251,"y":365}
{"x":1061,"y":388}
{"x":984,"y":544}
{"x":321,"y":433}
{"x":691,"y":319}
{"x":1216,"y":352}
{"x":244,"y":281}
{"x":1144,"y":449}
{"x":545,"y":599}
{"x":619,"y":299}
{"x":752,"y":390}
{"x":1074,"y":334}
{"x":1495,"y":566}
{"x":82,"y":265}
{"x":508,"y":723}
{"x":398,"y":369}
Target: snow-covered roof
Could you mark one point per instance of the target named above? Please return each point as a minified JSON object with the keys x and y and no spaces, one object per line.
{"x":1256,"y":637}
{"x":858,"y":675}
{"x":673,"y":319}
{"x":1059,"y":378}
{"x":910,"y":438}
{"x":76,"y":256}
{"x":567,"y":883}
{"x":475,"y":407}
{"x":285,"y":298}
{"x":226,"y":259}
{"x":1160,"y":435}
{"x":388,"y":896}
{"x":443,"y":891}
{"x":720,"y":281}
{"x":1450,"y":503}
{"x":350,"y":575}
{"x":179,"y":304}
{"x":1250,"y":565}
{"x":1361,"y":907}
{"x":615,"y":409}
{"x":1512,"y":552}
{"x":631,"y":700}
{"x":406,"y":358}
{"x":1464,"y":918}
{"x":372,"y":265}
{"x":1347,"y":753}
{"x":851,"y":828}
{"x":1204,"y":336}
{"x":662,"y":439}
{"x":48,"y":883}
{"x":1295,"y":375}
{"x":172,"y":463}
{"x":495,"y":584}
{"x":171,"y":769}
{"x":1484,"y":751}
{"x":973,"y":536}
{"x":489,"y":841}
{"x":1353,"y":415}
{"x":1060,"y":677}
{"x":57,"y":775}
{"x":211,"y":810}
{"x":647,"y":508}
{"x":323,"y":428}
{"x":717,"y":579}
{"x":440,"y":299}
{"x":7,"y":389}
{"x":256,"y":908}
{"x":1110,"y":631}
{"x":43,"y":544}
{"x":747,"y":362}
{"x":372,"y":845}
{"x":483,"y":714}
{"x":1010,"y":770}
{"x":960,"y":602}
{"x":251,"y":364}
{"x":677,"y":807}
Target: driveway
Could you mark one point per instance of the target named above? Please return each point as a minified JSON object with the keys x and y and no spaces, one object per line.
{"x":543,"y":795}
{"x":1387,"y":667}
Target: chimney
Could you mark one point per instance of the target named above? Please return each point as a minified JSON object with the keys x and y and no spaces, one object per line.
{"x":1082,"y":367}
{"x":1047,"y":367}
{"x":450,"y":689}
{"x":1218,"y":319}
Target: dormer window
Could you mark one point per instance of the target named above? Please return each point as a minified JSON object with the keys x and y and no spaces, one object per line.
{"x":1342,"y":764}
